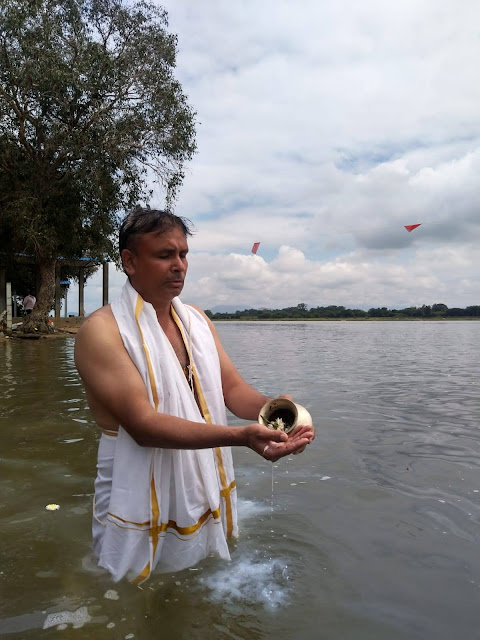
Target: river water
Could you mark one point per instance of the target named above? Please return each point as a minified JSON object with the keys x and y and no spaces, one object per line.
{"x":372,"y":533}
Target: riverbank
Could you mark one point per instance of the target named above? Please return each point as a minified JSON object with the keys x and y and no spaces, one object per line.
{"x":64,"y":327}
{"x":68,"y":325}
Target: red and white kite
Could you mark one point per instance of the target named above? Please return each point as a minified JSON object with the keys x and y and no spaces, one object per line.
{"x":411,"y":227}
{"x":255,"y":247}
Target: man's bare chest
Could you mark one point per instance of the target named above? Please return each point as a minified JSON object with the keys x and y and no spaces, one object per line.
{"x":176,"y":340}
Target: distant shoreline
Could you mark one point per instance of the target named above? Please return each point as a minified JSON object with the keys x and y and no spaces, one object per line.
{"x":68,"y":327}
{"x":446,"y":319}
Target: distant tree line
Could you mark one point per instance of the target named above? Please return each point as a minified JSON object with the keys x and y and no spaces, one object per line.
{"x":333,"y":312}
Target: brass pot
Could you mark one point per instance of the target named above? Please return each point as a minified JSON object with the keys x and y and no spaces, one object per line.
{"x":290,"y":413}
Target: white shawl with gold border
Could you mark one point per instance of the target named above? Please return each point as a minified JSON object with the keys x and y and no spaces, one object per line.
{"x":169,"y":508}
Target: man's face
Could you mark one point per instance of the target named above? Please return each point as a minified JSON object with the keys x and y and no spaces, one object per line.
{"x":157,"y":265}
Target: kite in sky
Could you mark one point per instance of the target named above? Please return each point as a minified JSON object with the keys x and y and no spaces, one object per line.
{"x":411,"y":227}
{"x":255,"y":247}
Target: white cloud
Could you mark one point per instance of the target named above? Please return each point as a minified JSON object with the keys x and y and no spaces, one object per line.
{"x":323,"y":129}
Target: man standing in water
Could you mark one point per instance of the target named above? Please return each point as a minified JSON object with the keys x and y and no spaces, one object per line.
{"x":157,"y":381}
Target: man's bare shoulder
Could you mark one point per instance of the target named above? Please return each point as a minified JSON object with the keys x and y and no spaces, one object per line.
{"x":99,"y":322}
{"x":204,"y":315}
{"x":194,"y":306}
{"x":104,"y":314}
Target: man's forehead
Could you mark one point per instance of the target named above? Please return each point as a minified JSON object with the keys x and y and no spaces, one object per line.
{"x":169,"y":236}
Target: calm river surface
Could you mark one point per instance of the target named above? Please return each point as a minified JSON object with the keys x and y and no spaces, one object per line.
{"x":372,"y":533}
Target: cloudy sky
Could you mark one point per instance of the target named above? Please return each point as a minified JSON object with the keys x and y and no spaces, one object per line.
{"x":323,"y":129}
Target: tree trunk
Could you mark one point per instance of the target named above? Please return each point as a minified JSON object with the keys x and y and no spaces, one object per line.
{"x":37,"y":321}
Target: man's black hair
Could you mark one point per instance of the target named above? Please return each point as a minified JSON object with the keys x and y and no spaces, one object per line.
{"x":144,"y":220}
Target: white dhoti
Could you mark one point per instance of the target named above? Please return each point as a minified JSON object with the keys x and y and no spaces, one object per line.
{"x":167,"y":508}
{"x":103,"y":487}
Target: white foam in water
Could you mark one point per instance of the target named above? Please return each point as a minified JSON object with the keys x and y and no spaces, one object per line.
{"x":62,"y":619}
{"x":250,"y":509}
{"x":251,"y":581}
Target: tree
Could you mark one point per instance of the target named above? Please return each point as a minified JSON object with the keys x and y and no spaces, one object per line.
{"x":89,"y":110}
{"x":439,"y":308}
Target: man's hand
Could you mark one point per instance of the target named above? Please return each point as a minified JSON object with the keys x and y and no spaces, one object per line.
{"x":273,"y":445}
{"x":298,"y":439}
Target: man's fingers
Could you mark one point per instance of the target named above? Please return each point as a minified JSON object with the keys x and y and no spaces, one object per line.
{"x":299,"y":450}
{"x":303,"y":431}
{"x":280,"y":449}
{"x":277,"y":436}
{"x":277,"y":444}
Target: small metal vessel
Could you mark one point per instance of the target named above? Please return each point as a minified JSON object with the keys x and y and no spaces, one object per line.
{"x":284,"y":415}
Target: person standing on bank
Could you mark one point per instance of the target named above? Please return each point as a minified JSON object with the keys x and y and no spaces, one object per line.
{"x":157,"y":380}
{"x":29,"y":303}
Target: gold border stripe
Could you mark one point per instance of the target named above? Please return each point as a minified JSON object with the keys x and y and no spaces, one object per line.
{"x":155,"y":529}
{"x":225,"y":489}
{"x":143,"y":575}
{"x":188,"y":531}
{"x":155,"y":515}
{"x":151,"y":376}
{"x":184,"y":531}
{"x":135,"y":524}
{"x":153,"y":387}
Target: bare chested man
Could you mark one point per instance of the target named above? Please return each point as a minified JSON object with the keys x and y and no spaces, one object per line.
{"x":153,"y":247}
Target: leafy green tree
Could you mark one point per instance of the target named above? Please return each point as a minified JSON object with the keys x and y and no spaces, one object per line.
{"x":473,"y":310}
{"x":89,"y":111}
{"x":439,"y":308}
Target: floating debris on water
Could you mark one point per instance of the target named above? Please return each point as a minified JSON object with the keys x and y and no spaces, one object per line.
{"x":52,"y":507}
{"x":111,"y":594}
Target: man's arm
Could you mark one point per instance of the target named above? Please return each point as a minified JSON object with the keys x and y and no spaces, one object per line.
{"x":114,"y":383}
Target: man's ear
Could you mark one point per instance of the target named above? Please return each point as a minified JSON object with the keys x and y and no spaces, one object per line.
{"x":128,"y":261}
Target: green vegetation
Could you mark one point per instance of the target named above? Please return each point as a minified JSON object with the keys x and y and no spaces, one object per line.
{"x":332,"y":312}
{"x":89,"y":112}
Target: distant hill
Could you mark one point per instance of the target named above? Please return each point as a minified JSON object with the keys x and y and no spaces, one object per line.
{"x":228,"y":308}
